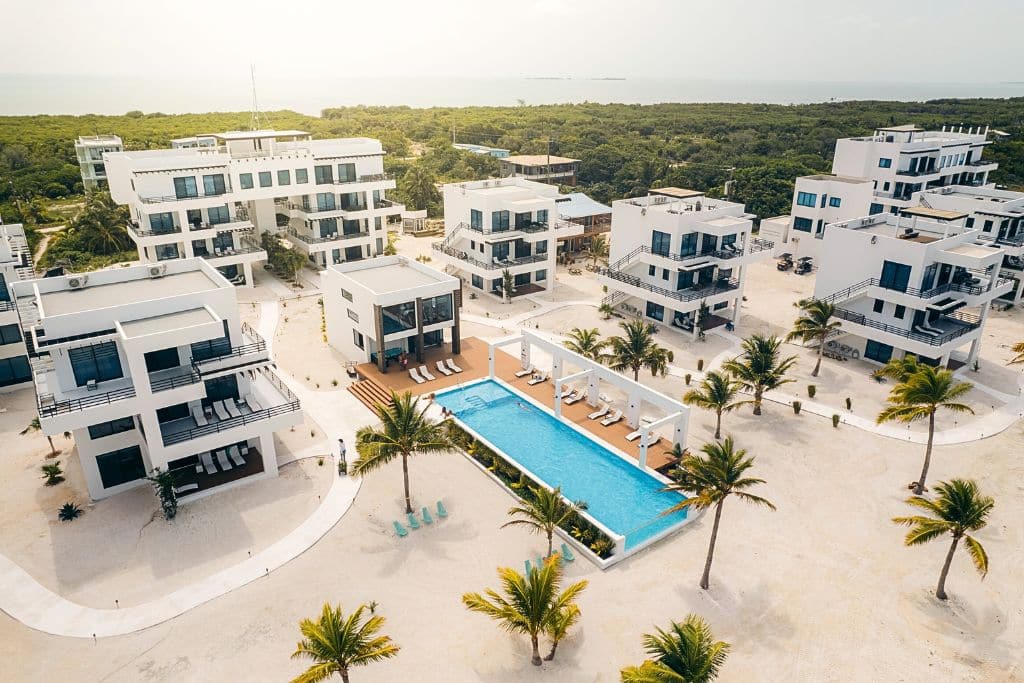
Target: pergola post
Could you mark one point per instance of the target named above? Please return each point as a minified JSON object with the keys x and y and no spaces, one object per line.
{"x":643,"y":449}
{"x":633,"y":410}
{"x":593,"y":389}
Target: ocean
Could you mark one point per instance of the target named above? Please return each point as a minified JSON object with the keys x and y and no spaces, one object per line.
{"x":64,"y":94}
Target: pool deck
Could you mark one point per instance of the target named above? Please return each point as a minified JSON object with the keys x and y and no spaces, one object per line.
{"x":473,"y":361}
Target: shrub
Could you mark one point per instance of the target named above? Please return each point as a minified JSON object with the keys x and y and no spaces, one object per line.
{"x":163,"y":484}
{"x":835,"y":420}
{"x":334,"y":382}
{"x":52,"y":473}
{"x":687,"y":378}
{"x":849,"y":403}
{"x":69,"y":512}
{"x":796,"y":407}
{"x":320,"y":462}
{"x":700,"y":364}
{"x":811,"y":390}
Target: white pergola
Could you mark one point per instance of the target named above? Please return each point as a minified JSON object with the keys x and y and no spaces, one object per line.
{"x":676,"y":414}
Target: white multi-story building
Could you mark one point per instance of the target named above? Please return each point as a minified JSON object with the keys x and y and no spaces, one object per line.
{"x":15,"y":265}
{"x":392,"y":303}
{"x":215,"y":200}
{"x":493,"y":226}
{"x":676,"y":250}
{"x":915,"y":283}
{"x":546,"y":168}
{"x":149,"y":367}
{"x":90,"y":149}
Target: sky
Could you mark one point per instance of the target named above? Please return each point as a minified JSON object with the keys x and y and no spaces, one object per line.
{"x":815,"y":40}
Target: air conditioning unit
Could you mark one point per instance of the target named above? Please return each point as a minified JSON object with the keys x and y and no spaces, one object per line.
{"x":158,"y":271}
{"x":77,"y":281}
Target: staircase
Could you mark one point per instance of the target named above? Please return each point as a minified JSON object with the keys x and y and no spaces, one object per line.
{"x":614,"y":299}
{"x":370,"y":393}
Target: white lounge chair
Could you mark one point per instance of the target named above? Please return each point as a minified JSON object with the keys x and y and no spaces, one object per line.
{"x":599,"y":413}
{"x":570,"y":396}
{"x":235,"y":456}
{"x":452,"y":366}
{"x":185,"y":488}
{"x":442,"y":369}
{"x":580,"y":395}
{"x":416,"y":376}
{"x":222,"y":460}
{"x":537,"y":379}
{"x":655,"y":440}
{"x":208,"y":463}
{"x":528,"y":370}
{"x":221,"y":411}
{"x":633,"y":436}
{"x":229,"y":405}
{"x":197,"y":415}
{"x":425,"y":373}
{"x":252,"y":403}
{"x":245,"y":449}
{"x":612,"y":419}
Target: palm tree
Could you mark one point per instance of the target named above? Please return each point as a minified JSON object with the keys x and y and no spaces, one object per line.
{"x":417,"y":186}
{"x":716,"y":392}
{"x":957,"y":509}
{"x":34,"y":426}
{"x":920,"y":396}
{"x":559,"y":626}
{"x":598,"y":249}
{"x":637,"y":350}
{"x":545,"y":512}
{"x":405,"y":430}
{"x":530,"y":603}
{"x":815,"y":324}
{"x":760,"y":368}
{"x":337,"y":643}
{"x":586,"y":342}
{"x":606,"y":311}
{"x":1018,"y":349}
{"x":898,"y":369}
{"x":710,"y":479}
{"x":686,"y":653}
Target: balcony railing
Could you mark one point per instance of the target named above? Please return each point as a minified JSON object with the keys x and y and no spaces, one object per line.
{"x":962,"y":287}
{"x":310,"y":239}
{"x":137,"y":230}
{"x":501,"y":265}
{"x":257,"y":346}
{"x":385,"y":204}
{"x":159,"y":199}
{"x":528,"y":228}
{"x":231,"y":423}
{"x":964,"y":324}
{"x":756,"y":245}
{"x":50,"y":407}
{"x":690,"y":294}
{"x":7,"y":306}
{"x":168,"y":383}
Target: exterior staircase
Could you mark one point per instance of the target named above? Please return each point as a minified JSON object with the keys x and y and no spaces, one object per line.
{"x":370,"y":393}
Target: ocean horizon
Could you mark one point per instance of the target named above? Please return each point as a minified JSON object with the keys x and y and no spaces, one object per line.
{"x":23,"y":94}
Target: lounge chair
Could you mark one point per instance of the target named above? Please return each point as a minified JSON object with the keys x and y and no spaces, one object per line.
{"x":250,"y":401}
{"x":400,"y":530}
{"x":235,"y":456}
{"x":655,"y":440}
{"x":452,"y":366}
{"x":575,"y":396}
{"x":567,"y":554}
{"x":413,"y":522}
{"x":185,"y":488}
{"x":612,"y":419}
{"x":208,"y":465}
{"x":416,"y":376}
{"x":538,"y":379}
{"x":222,"y":413}
{"x":424,"y":373}
{"x":442,"y":369}
{"x":222,"y":460}
{"x":427,"y":519}
{"x":229,"y":405}
{"x":633,"y":436}
{"x":197,"y":415}
{"x":441,"y":511}
{"x":528,"y":370}
{"x":599,"y":413}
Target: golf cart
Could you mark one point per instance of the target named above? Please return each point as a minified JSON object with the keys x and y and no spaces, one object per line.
{"x":785,"y":261}
{"x":803,"y":265}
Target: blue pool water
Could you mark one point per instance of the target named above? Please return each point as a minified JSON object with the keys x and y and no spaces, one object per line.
{"x":620,"y":496}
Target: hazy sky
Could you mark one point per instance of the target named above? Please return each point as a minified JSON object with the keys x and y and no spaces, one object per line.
{"x":860,"y":40}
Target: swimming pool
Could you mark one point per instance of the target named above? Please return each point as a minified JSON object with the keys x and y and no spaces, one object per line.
{"x":620,"y":496}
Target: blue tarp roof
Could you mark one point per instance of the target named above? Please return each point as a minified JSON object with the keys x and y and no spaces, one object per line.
{"x":579,"y":205}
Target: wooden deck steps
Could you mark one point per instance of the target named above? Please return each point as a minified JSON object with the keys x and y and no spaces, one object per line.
{"x":370,"y":392}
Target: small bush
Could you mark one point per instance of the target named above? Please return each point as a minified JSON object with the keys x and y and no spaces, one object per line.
{"x":811,"y":390}
{"x":700,"y":364}
{"x":52,"y":473}
{"x":320,"y":462}
{"x":849,"y":403}
{"x":334,"y":382}
{"x":835,"y":421}
{"x":687,"y":378}
{"x":69,"y":512}
{"x":796,"y":407}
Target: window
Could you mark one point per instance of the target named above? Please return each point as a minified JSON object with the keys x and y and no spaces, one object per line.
{"x":660,"y":242}
{"x":325,"y":201}
{"x":346,"y":173}
{"x":877,"y":352}
{"x":121,"y":466}
{"x":970,"y":222}
{"x":245,"y":181}
{"x":284,"y":177}
{"x":211,"y":348}
{"x":895,"y":276}
{"x":352,"y":315}
{"x":301,"y":176}
{"x":476,"y":219}
{"x":802,"y":224}
{"x":5,"y":295}
{"x":214,"y":184}
{"x":10,"y":334}
{"x":824,"y":198}
{"x":218,"y":214}
{"x":323,"y":174}
{"x":689,"y":244}
{"x":347,"y":294}
{"x":664,"y":273}
{"x":14,"y":371}
{"x":806,"y":199}
{"x":123,"y":424}
{"x":357,"y":339}
{"x":97,"y":362}
{"x":540,"y":275}
{"x":900,"y":311}
{"x":166,"y":252}
{"x":185,"y":187}
{"x":172,"y":413}
{"x":728,"y":239}
{"x":221,"y":388}
{"x":162,"y":359}
{"x":987,"y":226}
{"x":161,"y":223}
{"x":477,"y":281}
{"x":542,"y":216}
{"x":541,"y":248}
{"x":875,"y":208}
{"x":353,"y":201}
{"x":652,"y":270}
{"x":878,"y":306}
{"x":266,"y":179}
{"x":499,"y":221}
{"x":656,"y":311}
{"x":437,"y":309}
{"x":399,"y":318}
{"x":884,"y":163}
{"x":836,"y":202}
{"x":523,"y":220}
{"x":885,"y":186}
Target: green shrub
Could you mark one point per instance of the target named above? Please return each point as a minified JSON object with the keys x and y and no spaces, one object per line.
{"x":835,"y":421}
{"x":52,"y":473}
{"x":811,"y":390}
{"x":69,"y":512}
{"x":796,"y":407}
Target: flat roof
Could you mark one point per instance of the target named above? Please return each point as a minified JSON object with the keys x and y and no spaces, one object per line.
{"x":254,"y":134}
{"x":905,"y":128}
{"x":838,"y":178}
{"x":973,"y":250}
{"x":937,"y":214}
{"x":677,"y":192}
{"x":167,"y":323}
{"x":124,"y":293}
{"x":385,"y":276}
{"x":538,"y":159}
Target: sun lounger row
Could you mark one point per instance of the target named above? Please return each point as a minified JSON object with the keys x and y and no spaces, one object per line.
{"x":574,"y":396}
{"x":564,"y":556}
{"x":651,"y":436}
{"x":538,"y":378}
{"x":421,"y":374}
{"x":224,"y":457}
{"x":414,"y":523}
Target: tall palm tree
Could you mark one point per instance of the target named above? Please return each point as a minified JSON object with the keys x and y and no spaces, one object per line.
{"x":760,"y":368}
{"x":598,"y":249}
{"x":1018,"y":349}
{"x":957,"y":509}
{"x":636,"y":349}
{"x":920,"y":396}
{"x":898,"y":369}
{"x":337,"y":643}
{"x":708,"y":480}
{"x":405,"y":431}
{"x":606,"y":311}
{"x":717,"y":392}
{"x":686,"y":653}
{"x":545,"y":512}
{"x":34,"y":426}
{"x":559,"y":625}
{"x":815,"y":324}
{"x":529,"y":603}
{"x":587,"y":342}
{"x":417,"y":186}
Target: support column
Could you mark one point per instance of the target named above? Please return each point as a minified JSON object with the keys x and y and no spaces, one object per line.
{"x":558,"y":400}
{"x":378,"y":330}
{"x":269,"y":454}
{"x":457,"y":326}
{"x":247,"y":269}
{"x":593,"y":389}
{"x":643,"y":449}
{"x":679,"y":432}
{"x":633,"y":410}
{"x":524,"y":353}
{"x":419,"y":329}
{"x":490,"y":361}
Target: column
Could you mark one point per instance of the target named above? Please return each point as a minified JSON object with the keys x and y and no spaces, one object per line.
{"x":247,"y":269}
{"x":524,"y":353}
{"x":679,"y":431}
{"x":457,"y":326}
{"x":419,"y":329}
{"x":643,"y":449}
{"x":269,"y":453}
{"x":593,"y":389}
{"x":633,"y":410}
{"x":490,"y":360}
{"x":378,"y":329}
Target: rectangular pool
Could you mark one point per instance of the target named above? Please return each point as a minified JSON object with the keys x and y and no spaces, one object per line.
{"x":619,"y":495}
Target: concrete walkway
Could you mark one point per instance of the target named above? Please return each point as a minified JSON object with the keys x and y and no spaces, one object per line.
{"x":34,"y":605}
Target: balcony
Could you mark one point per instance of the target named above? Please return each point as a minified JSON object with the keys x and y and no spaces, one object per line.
{"x":310,"y":239}
{"x":136,"y":231}
{"x":968,"y":286}
{"x":235,"y":225}
{"x":950,"y":327}
{"x":252,"y":352}
{"x":528,"y":228}
{"x":160,"y":199}
{"x":756,"y":245}
{"x":82,"y":399}
{"x":247,"y":246}
{"x":690,"y":294}
{"x":918,"y":173}
{"x":478,"y":263}
{"x":172,"y":378}
{"x":388,"y":204}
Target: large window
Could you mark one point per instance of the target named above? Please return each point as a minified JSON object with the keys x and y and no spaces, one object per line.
{"x":802,"y":224}
{"x":284,"y":177}
{"x":541,"y":275}
{"x":688,"y":244}
{"x":895,"y":276}
{"x":5,"y":295}
{"x":185,"y":187}
{"x":399,"y":318}
{"x":245,"y":181}
{"x":162,"y":359}
{"x":218,"y":214}
{"x":221,"y":388}
{"x":353,"y":201}
{"x":266,"y":179}
{"x":214,"y":184}
{"x":477,"y":281}
{"x":212,"y":348}
{"x":476,"y":219}
{"x":875,"y":208}
{"x":10,"y":334}
{"x":437,"y":309}
{"x":123,"y":424}
{"x":523,"y":220}
{"x":542,"y":216}
{"x":323,"y":174}
{"x":14,"y":371}
{"x":121,"y":466}
{"x":836,"y":202}
{"x":166,"y":252}
{"x":878,"y":352}
{"x":161,"y":223}
{"x":656,"y":311}
{"x":661,"y":242}
{"x":884,"y":163}
{"x":346,"y":173}
{"x":97,"y":362}
{"x":301,"y":176}
{"x":499,"y":221}
{"x":806,"y":198}
{"x":325,"y":202}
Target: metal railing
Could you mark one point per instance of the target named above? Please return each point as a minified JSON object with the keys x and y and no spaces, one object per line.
{"x":508,"y":263}
{"x":159,"y":199}
{"x":168,"y":383}
{"x":529,"y":228}
{"x":137,"y":230}
{"x":965,"y":323}
{"x":961,"y":287}
{"x":257,"y":346}
{"x":310,"y":239}
{"x":231,"y":423}
{"x":756,"y":245}
{"x":50,"y":407}
{"x":7,"y":306}
{"x":385,"y":204}
{"x":690,"y":294}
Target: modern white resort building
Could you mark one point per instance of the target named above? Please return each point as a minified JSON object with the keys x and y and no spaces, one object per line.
{"x":676,"y":250}
{"x":149,"y":367}
{"x":89,"y":150}
{"x":212,"y":196}
{"x":15,"y":265}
